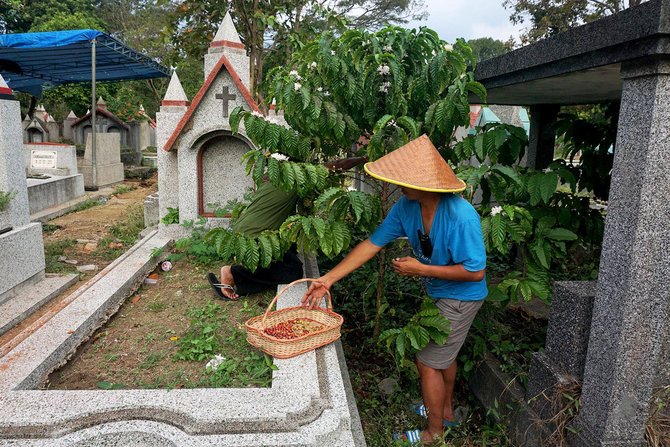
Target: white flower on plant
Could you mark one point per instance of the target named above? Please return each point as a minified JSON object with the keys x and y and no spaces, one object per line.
{"x":326,"y":93}
{"x":319,"y":89}
{"x":388,"y":48}
{"x":313,"y":65}
{"x":383,"y":89}
{"x":215,"y":362}
{"x":546,"y":170}
{"x":332,"y":52}
{"x":392,"y":123}
{"x":297,"y":86}
{"x":448,"y":47}
{"x":462,"y":76}
{"x":279,"y":157}
{"x":351,"y":188}
{"x":383,"y":69}
{"x":496,"y":210}
{"x":293,"y":73}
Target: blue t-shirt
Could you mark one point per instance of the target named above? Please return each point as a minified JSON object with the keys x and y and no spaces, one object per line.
{"x":456,"y":236}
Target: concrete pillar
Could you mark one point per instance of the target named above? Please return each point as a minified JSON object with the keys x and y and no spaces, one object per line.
{"x":630,"y":312}
{"x":542,"y":137}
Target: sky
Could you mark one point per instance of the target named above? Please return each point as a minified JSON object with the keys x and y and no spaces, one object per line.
{"x":469,"y":19}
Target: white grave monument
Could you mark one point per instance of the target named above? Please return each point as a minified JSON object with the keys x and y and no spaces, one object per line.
{"x":21,"y":245}
{"x":199,"y":158}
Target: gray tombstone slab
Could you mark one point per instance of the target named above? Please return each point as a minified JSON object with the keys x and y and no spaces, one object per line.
{"x":109,"y":168}
{"x":21,"y":245}
{"x":630,"y":313}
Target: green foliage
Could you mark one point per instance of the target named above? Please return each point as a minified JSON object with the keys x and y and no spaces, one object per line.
{"x":549,"y":17}
{"x":172,"y":216}
{"x":486,"y":48}
{"x":5,"y":198}
{"x":196,"y":247}
{"x":587,"y":139}
{"x":252,"y":252}
{"x":425,"y":326}
{"x":54,"y":250}
{"x":201,"y":341}
{"x":122,"y":189}
{"x":86,"y":204}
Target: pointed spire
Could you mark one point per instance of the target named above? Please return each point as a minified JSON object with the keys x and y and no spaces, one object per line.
{"x":141,"y":107}
{"x":39,"y":108}
{"x":227,"y":31}
{"x":175,"y":95}
{"x":71,"y":115}
{"x":4,"y":88}
{"x":101,"y":104}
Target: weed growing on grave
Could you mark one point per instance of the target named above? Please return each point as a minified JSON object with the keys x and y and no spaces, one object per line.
{"x":172,"y":216}
{"x":50,"y":228}
{"x":157,"y":306}
{"x":5,"y":198}
{"x":657,"y":432}
{"x":52,"y":251}
{"x":563,"y":403}
{"x":201,"y":341}
{"x":122,"y":189}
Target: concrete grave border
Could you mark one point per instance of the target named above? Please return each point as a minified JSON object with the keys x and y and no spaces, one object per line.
{"x":310,"y":401}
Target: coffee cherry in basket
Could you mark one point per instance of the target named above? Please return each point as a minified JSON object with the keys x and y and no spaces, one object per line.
{"x":294,"y":328}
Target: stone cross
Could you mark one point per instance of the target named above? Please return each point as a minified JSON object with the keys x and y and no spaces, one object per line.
{"x":226,"y":96}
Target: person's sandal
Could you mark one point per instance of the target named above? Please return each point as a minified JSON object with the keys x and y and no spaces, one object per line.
{"x":217,"y":286}
{"x":420,"y":409}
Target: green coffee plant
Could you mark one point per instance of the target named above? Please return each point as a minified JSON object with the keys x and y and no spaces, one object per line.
{"x":425,"y":326}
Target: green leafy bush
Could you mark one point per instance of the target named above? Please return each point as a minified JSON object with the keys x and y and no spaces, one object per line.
{"x":5,"y":198}
{"x":172,"y":216}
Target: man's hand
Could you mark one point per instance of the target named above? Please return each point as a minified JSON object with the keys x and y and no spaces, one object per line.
{"x":315,"y":293}
{"x":408,"y":266}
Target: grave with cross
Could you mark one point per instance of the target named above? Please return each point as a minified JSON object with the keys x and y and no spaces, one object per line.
{"x":199,"y":161}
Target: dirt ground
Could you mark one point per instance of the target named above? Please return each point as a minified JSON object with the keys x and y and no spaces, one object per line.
{"x":87,"y":226}
{"x":139,"y":346}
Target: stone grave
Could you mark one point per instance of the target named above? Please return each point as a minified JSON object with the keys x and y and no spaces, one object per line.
{"x":310,"y":401}
{"x":23,"y":287}
{"x":613,"y":336}
{"x":199,"y":158}
{"x":53,"y":177}
{"x":109,"y":169}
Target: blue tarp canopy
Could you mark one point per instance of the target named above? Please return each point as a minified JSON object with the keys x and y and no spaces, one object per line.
{"x":29,"y":61}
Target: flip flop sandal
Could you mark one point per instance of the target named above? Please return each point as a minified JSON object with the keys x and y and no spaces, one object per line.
{"x":216,"y":286}
{"x":420,"y":409}
{"x":411,"y":436}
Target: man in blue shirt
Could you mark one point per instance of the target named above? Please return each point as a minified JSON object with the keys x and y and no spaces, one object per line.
{"x":445,"y":234}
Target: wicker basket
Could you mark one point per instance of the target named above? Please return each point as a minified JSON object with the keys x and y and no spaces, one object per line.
{"x":286,"y":348}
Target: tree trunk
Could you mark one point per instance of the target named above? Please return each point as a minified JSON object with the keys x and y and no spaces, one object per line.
{"x":381,"y":269}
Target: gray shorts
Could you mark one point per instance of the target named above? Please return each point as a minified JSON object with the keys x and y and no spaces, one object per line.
{"x":460,"y":314}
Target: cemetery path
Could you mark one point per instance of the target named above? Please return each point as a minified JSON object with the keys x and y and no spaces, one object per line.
{"x":93,"y":236}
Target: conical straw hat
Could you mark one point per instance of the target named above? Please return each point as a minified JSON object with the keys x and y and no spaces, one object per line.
{"x":416,"y":165}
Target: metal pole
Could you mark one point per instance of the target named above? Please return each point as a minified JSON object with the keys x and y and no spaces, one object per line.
{"x":94,"y":167}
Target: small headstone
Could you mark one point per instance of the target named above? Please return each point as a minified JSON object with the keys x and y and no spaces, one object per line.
{"x":87,"y":268}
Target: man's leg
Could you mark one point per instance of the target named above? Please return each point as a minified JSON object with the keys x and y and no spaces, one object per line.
{"x":434,"y":393}
{"x":449,"y":377}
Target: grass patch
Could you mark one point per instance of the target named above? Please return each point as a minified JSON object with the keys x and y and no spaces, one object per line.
{"x":122,"y":189}
{"x":52,"y":251}
{"x":86,"y":204}
{"x":123,"y":234}
{"x":48,"y":228}
{"x":165,"y":338}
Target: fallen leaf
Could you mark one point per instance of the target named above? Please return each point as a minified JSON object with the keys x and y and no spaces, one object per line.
{"x":174,"y":338}
{"x":135,"y":299}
